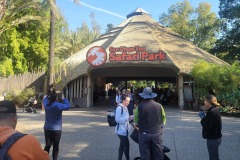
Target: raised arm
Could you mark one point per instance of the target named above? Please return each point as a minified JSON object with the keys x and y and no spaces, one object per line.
{"x":65,"y":105}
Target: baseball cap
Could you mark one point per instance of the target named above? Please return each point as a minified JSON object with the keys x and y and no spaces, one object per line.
{"x":7,"y":106}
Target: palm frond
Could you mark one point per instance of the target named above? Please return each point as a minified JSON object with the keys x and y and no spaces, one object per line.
{"x":5,"y":26}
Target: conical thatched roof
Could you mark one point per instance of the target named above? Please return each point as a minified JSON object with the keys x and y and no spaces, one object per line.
{"x":138,"y":11}
{"x":142,"y":30}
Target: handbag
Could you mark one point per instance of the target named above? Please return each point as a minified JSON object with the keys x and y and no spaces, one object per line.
{"x":134,"y":135}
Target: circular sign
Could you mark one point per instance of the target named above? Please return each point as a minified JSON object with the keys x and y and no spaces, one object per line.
{"x":96,"y":56}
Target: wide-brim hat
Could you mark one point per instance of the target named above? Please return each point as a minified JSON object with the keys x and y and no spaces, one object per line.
{"x":147,"y":93}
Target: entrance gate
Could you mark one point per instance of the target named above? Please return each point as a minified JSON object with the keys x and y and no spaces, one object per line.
{"x":165,"y":87}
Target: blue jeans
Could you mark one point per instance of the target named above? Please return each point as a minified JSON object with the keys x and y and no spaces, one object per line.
{"x":213,"y":145}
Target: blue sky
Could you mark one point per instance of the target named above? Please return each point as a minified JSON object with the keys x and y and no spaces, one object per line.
{"x":117,"y":9}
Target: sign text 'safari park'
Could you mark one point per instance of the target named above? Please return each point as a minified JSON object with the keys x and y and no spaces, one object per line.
{"x":136,"y":53}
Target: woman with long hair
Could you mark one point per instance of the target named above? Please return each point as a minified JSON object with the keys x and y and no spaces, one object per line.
{"x":212,"y":126}
{"x":122,"y":128}
{"x":53,"y":105}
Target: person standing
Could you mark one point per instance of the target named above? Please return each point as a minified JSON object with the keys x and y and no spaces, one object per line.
{"x":122,"y":128}
{"x":212,"y":126}
{"x":150,"y":117}
{"x":118,"y":97}
{"x":53,"y":120}
{"x":131,"y":103}
{"x":26,"y":147}
{"x":111,"y":95}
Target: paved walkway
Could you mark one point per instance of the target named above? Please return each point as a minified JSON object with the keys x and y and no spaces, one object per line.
{"x":87,"y":136}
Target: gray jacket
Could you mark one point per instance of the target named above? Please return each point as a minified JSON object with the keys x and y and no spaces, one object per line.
{"x":122,"y":120}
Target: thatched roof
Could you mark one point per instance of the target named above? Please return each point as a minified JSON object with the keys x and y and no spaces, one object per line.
{"x":142,"y":30}
{"x":138,"y":11}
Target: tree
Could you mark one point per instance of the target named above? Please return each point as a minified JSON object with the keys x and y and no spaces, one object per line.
{"x":3,"y":4}
{"x":27,"y":44}
{"x":73,"y":41}
{"x":228,"y":46}
{"x":206,"y":27}
{"x":109,"y":27}
{"x":9,"y":16}
{"x":53,"y":12}
{"x":34,"y":44}
{"x":197,"y":25}
{"x":178,"y":19}
{"x":70,"y":43}
{"x":24,"y":44}
{"x":95,"y":26}
{"x":6,"y":67}
{"x":51,"y":45}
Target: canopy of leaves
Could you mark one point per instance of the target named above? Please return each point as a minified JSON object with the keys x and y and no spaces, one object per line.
{"x":73,"y":41}
{"x":178,"y":19}
{"x":25,"y":44}
{"x":225,"y":80}
{"x":6,"y":67}
{"x":70,"y":42}
{"x":228,"y":46}
{"x":199,"y":25}
{"x":221,"y":78}
{"x":15,"y":12}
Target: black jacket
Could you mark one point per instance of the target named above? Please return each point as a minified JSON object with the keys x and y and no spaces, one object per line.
{"x":149,"y":117}
{"x":212,"y":124}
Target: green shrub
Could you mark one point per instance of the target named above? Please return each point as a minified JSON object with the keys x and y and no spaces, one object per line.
{"x":224,"y":79}
{"x":20,"y":97}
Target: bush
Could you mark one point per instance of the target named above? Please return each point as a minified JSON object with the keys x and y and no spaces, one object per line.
{"x":20,"y":97}
{"x":224,"y":79}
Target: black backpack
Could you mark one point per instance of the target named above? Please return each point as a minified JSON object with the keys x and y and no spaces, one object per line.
{"x":111,"y":119}
{"x":7,"y":144}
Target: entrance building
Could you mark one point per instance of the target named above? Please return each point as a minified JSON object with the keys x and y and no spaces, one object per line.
{"x":138,"y":49}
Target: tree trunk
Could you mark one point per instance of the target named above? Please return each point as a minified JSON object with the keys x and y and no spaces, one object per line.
{"x":51,"y":48}
{"x":3,"y":4}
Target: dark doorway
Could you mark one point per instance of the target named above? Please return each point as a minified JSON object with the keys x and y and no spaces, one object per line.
{"x":165,"y":87}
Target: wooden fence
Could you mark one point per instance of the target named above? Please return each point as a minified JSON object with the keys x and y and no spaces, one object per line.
{"x":20,"y":82}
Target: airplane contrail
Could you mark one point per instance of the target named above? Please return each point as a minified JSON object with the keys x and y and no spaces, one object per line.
{"x":100,"y":9}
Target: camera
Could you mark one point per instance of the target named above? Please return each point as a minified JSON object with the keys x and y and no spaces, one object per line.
{"x":59,"y":96}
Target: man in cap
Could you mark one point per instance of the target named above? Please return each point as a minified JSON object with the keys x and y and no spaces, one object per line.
{"x":150,"y":116}
{"x":23,"y":146}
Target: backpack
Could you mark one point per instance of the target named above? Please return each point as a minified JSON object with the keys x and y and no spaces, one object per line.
{"x":111,"y":119}
{"x":7,"y":144}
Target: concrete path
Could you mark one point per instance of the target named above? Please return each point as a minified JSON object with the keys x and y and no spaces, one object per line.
{"x":87,"y":136}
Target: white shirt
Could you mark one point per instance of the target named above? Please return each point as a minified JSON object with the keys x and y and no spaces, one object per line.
{"x":118,"y":99}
